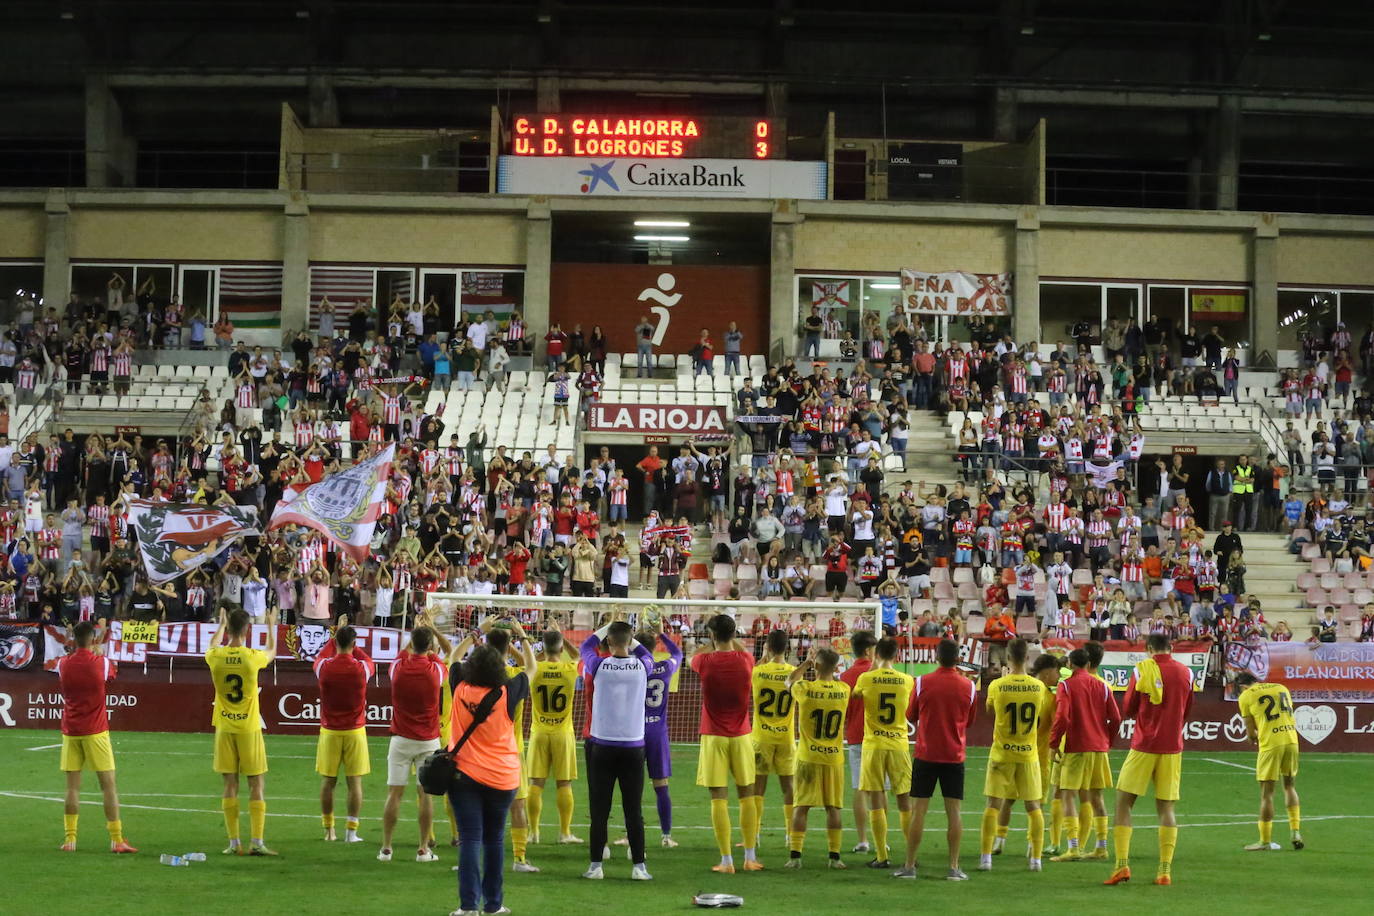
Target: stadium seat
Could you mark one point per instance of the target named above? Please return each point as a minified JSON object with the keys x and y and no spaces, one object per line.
{"x":1306,"y":580}
{"x":1353,"y":580}
{"x":698,"y":588}
{"x":942,"y":591}
{"x":1027,"y":627}
{"x":1329,"y":580}
{"x":1314,"y":553}
{"x":1315,"y":597}
{"x":968,"y":591}
{"x":962,"y":574}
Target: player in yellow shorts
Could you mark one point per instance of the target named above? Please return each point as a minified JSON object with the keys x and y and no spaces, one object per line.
{"x":1086,"y":719}
{"x":774,"y":731}
{"x":239,"y":748}
{"x":821,"y":706}
{"x":1268,"y":712}
{"x":1016,"y":701}
{"x":553,"y":744}
{"x":886,"y":757}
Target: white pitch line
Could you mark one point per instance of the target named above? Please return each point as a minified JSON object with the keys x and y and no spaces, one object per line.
{"x":42,"y":747}
{"x":1227,"y":763}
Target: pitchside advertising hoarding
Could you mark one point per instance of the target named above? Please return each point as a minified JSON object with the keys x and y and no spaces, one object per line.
{"x":626,"y":176}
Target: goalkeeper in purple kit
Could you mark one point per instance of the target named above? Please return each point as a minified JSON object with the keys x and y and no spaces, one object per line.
{"x":657,"y":755}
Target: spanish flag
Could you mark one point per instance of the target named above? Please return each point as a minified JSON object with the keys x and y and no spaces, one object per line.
{"x":1217,"y":304}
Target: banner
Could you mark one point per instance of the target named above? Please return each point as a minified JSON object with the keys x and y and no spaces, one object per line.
{"x":955,"y":292}
{"x":828,"y":295}
{"x":344,"y":507}
{"x":1120,"y":658}
{"x":134,"y":630}
{"x":1217,"y":304}
{"x":1341,"y":672}
{"x":191,"y":640}
{"x":655,"y":418}
{"x":916,"y":654}
{"x":630,"y":177}
{"x":21,"y":646}
{"x":175,"y":538}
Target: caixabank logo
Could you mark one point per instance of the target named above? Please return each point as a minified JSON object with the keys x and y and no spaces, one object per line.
{"x":678,"y":177}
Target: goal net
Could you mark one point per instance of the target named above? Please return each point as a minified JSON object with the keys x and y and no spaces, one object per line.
{"x":810,"y":625}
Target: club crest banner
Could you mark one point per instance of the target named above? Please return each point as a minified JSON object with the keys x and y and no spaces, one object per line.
{"x":175,"y":538}
{"x":344,"y":507}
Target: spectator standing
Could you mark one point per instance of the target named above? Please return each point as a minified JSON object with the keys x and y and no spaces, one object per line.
{"x":733,"y":339}
{"x":644,"y":348}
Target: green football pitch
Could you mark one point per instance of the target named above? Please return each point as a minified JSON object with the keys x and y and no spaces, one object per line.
{"x":171,"y":805}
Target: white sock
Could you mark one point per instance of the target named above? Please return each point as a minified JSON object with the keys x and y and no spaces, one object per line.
{"x":749,"y":855}
{"x":727,"y":860}
{"x":350,"y":834}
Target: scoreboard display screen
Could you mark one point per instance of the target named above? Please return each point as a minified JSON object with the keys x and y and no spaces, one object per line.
{"x":645,"y":137}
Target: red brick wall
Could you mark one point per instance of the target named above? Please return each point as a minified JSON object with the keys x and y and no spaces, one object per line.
{"x":608,"y":295}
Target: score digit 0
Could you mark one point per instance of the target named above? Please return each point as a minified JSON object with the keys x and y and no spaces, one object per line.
{"x":761,"y":144}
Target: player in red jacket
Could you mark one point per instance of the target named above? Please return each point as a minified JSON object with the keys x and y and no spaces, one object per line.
{"x":1085,"y":721}
{"x":343,"y":670}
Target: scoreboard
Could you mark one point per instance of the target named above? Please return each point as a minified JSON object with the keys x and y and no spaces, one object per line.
{"x":647,"y":136}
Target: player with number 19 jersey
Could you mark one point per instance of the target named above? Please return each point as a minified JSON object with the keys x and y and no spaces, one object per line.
{"x":1017,"y":702}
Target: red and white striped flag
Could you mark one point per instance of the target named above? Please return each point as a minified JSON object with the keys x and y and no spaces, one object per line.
{"x":344,"y":507}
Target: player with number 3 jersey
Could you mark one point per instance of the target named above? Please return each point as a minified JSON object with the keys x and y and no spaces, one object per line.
{"x":658,"y":756}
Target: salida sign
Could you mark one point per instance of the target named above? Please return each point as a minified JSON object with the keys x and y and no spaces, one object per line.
{"x":687,"y":420}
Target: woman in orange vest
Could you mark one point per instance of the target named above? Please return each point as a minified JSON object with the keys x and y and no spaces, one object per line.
{"x":488,"y":771}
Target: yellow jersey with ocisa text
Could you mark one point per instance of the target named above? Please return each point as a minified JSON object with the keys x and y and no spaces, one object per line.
{"x":518,"y":720}
{"x":1271,"y":706}
{"x":773,"y":712}
{"x":234,"y":671}
{"x":886,"y":694}
{"x":1016,"y":702}
{"x":821,"y":706}
{"x":551,"y":696}
{"x":1047,"y":712}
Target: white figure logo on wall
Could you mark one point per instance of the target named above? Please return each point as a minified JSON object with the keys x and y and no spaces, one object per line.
{"x":661,"y":295}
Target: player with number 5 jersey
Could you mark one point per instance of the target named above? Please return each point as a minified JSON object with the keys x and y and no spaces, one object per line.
{"x":239,"y":746}
{"x":886,"y":758}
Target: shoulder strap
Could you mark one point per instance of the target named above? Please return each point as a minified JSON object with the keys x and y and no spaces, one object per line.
{"x":479,"y":715}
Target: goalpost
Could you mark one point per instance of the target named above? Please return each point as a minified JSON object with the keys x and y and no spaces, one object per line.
{"x":810,"y":625}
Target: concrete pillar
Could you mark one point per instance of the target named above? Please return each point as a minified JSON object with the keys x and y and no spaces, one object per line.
{"x":1226,"y":147}
{"x":782,"y":296}
{"x":538,"y":270}
{"x":57,"y":262}
{"x":1025,"y":310}
{"x":295,"y":267}
{"x":323,"y":102}
{"x":547,"y":95}
{"x":111,"y":154}
{"x":1264,"y":303}
{"x":1004,"y":110}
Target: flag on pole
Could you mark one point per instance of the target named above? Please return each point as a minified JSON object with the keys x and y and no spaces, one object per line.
{"x":344,"y":507}
{"x":175,"y":538}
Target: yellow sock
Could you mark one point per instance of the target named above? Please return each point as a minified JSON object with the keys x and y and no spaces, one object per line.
{"x":1071,"y":828}
{"x":832,"y":840}
{"x":351,"y":824}
{"x":231,"y":816}
{"x":565,"y":810}
{"x":1295,"y":818}
{"x":1168,"y":839}
{"x":519,"y":839}
{"x":116,"y":831}
{"x":1036,"y":826}
{"x":1001,"y":831}
{"x":69,"y":828}
{"x":720,"y":824}
{"x":257,"y":820}
{"x":749,"y":821}
{"x":1122,"y":837}
{"x":452,"y":819}
{"x":1266,"y":831}
{"x":1100,"y":828}
{"x":988,"y":831}
{"x":327,"y":821}
{"x":534,"y":806}
{"x":795,"y":841}
{"x":1056,"y":821}
{"x":1085,"y":824}
{"x":787,"y":816}
{"x":877,"y":822}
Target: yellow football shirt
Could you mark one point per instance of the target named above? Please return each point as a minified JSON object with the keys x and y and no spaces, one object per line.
{"x":773,"y":712}
{"x":551,"y":696}
{"x":1047,"y":712}
{"x":820,"y":707}
{"x":519,"y":719}
{"x":1016,"y":702}
{"x":886,"y":694}
{"x":1271,"y":708}
{"x":234,"y":671}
